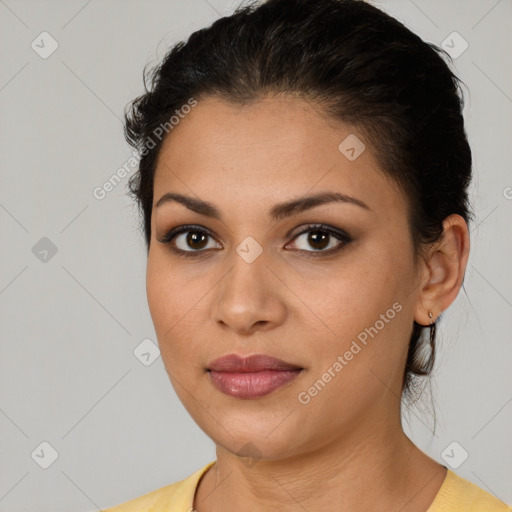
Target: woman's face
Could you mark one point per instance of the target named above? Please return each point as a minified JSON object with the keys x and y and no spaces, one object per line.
{"x":339,"y":309}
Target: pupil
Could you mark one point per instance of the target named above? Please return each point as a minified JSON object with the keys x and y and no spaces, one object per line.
{"x":193,"y":238}
{"x":316,"y":238}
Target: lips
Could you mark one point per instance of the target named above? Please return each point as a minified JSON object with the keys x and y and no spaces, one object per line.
{"x":254,"y":363}
{"x":250,"y":377}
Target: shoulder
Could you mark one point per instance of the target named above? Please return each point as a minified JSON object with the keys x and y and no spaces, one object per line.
{"x":460,"y":495}
{"x":179,"y":496}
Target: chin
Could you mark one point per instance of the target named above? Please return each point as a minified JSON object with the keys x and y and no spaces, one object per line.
{"x":254,"y":434}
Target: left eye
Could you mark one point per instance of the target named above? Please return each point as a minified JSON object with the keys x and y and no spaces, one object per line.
{"x":322,"y":239}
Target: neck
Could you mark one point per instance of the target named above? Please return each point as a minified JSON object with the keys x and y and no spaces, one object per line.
{"x":373,"y":468}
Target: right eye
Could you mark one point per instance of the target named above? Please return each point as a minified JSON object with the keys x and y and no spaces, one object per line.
{"x":191,"y":239}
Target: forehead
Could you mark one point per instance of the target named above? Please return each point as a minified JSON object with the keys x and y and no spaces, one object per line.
{"x":272,"y":127}
{"x":277,"y":147}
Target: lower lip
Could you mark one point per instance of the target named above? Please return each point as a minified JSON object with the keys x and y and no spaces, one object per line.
{"x":251,"y":384}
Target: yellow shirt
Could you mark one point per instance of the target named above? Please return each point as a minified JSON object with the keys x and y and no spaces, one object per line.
{"x":455,"y":495}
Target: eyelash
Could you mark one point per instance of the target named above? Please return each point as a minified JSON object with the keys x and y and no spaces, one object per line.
{"x":340,"y":235}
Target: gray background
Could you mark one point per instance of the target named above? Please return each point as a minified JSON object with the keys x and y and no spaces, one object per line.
{"x":70,"y":323}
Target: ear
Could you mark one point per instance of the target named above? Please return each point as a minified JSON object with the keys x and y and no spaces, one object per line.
{"x":444,"y":269}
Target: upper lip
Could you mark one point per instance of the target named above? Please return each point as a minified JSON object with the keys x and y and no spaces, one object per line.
{"x":253,"y":363}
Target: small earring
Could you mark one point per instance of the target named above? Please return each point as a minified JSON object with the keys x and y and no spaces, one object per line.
{"x":432,"y":328}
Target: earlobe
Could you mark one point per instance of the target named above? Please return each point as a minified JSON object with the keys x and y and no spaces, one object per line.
{"x":445,"y":266}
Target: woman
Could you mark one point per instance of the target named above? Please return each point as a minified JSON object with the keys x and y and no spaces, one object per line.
{"x":303,"y":184}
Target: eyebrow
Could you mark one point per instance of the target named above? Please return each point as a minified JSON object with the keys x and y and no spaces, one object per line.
{"x":277,"y":212}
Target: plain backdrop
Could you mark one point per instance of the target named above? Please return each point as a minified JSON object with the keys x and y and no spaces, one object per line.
{"x":74,"y":396}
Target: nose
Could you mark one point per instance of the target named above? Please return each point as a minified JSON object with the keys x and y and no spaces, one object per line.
{"x":250,"y":297}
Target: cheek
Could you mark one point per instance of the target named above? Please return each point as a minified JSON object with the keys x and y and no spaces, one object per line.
{"x":159,"y":292}
{"x":364,"y":303}
{"x":171,"y":292}
{"x":176,"y":302}
{"x":354,"y":293}
{"x":167,"y":305}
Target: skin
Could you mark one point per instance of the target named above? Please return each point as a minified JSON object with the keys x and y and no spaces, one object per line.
{"x":345,"y":449}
